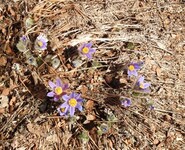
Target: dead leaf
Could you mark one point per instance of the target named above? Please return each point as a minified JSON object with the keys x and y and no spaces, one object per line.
{"x":6,"y":92}
{"x":8,"y":50}
{"x":90,"y":117}
{"x":158,"y":71}
{"x":12,"y":103}
{"x":83,"y":89}
{"x":35,"y":129}
{"x":3,"y":61}
{"x":3,"y":101}
{"x":123,"y":80}
{"x":35,"y":77}
{"x":89,"y":105}
{"x":86,"y":122}
{"x":2,"y":110}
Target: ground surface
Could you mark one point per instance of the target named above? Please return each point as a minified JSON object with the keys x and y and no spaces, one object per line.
{"x":152,"y":32}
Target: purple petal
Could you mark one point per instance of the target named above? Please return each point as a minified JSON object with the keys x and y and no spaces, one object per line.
{"x":80,"y":100}
{"x":56,"y":98}
{"x":77,"y":96}
{"x":146,"y":85}
{"x":65,"y":104}
{"x":89,"y":55}
{"x":60,"y":112}
{"x":136,"y":66}
{"x":51,"y":94}
{"x":65,"y":97}
{"x":128,"y":102}
{"x":72,"y":111}
{"x":146,"y":90}
{"x":52,"y":85}
{"x":89,"y":44}
{"x":72,"y":95}
{"x":151,"y":107}
{"x":91,"y":50}
{"x":81,"y":47}
{"x":134,"y":72}
{"x":44,"y":46}
{"x":129,"y":73}
{"x":58,"y":82}
{"x":141,"y":79}
{"x":65,"y":87}
{"x":79,"y":107}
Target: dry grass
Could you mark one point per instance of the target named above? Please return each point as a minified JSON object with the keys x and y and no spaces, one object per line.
{"x":156,"y":30}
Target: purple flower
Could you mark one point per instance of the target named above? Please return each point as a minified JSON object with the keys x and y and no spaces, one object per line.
{"x":41,"y":42}
{"x":133,"y":68}
{"x":141,"y":85}
{"x":86,"y":50}
{"x":151,"y":107}
{"x":126,"y":102}
{"x":71,"y":102}
{"x":62,"y":111}
{"x":23,"y":38}
{"x":58,"y":89}
{"x":22,"y":44}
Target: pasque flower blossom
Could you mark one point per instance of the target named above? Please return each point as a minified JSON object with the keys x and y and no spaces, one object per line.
{"x":133,"y":68}
{"x":41,"y":42}
{"x":86,"y":50}
{"x":72,"y":102}
{"x":126,"y":102}
{"x":62,"y":111}
{"x":58,"y":89}
{"x":142,"y":85}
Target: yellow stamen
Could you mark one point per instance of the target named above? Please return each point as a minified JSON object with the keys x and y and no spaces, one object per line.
{"x":58,"y":90}
{"x":72,"y":102}
{"x":131,"y":67}
{"x":62,"y":109}
{"x":40,"y":43}
{"x":141,"y":85}
{"x":85,"y":50}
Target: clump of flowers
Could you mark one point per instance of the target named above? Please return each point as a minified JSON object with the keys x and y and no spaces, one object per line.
{"x":141,"y":85}
{"x":58,"y":89}
{"x":126,"y":102}
{"x":41,"y":42}
{"x":72,"y":102}
{"x":86,"y":50}
{"x":133,"y":68}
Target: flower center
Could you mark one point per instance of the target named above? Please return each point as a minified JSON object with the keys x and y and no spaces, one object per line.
{"x":72,"y":102}
{"x":131,"y":67}
{"x":141,"y":85}
{"x":58,"y":90}
{"x":85,"y":50}
{"x":62,"y":109}
{"x":40,"y":43}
